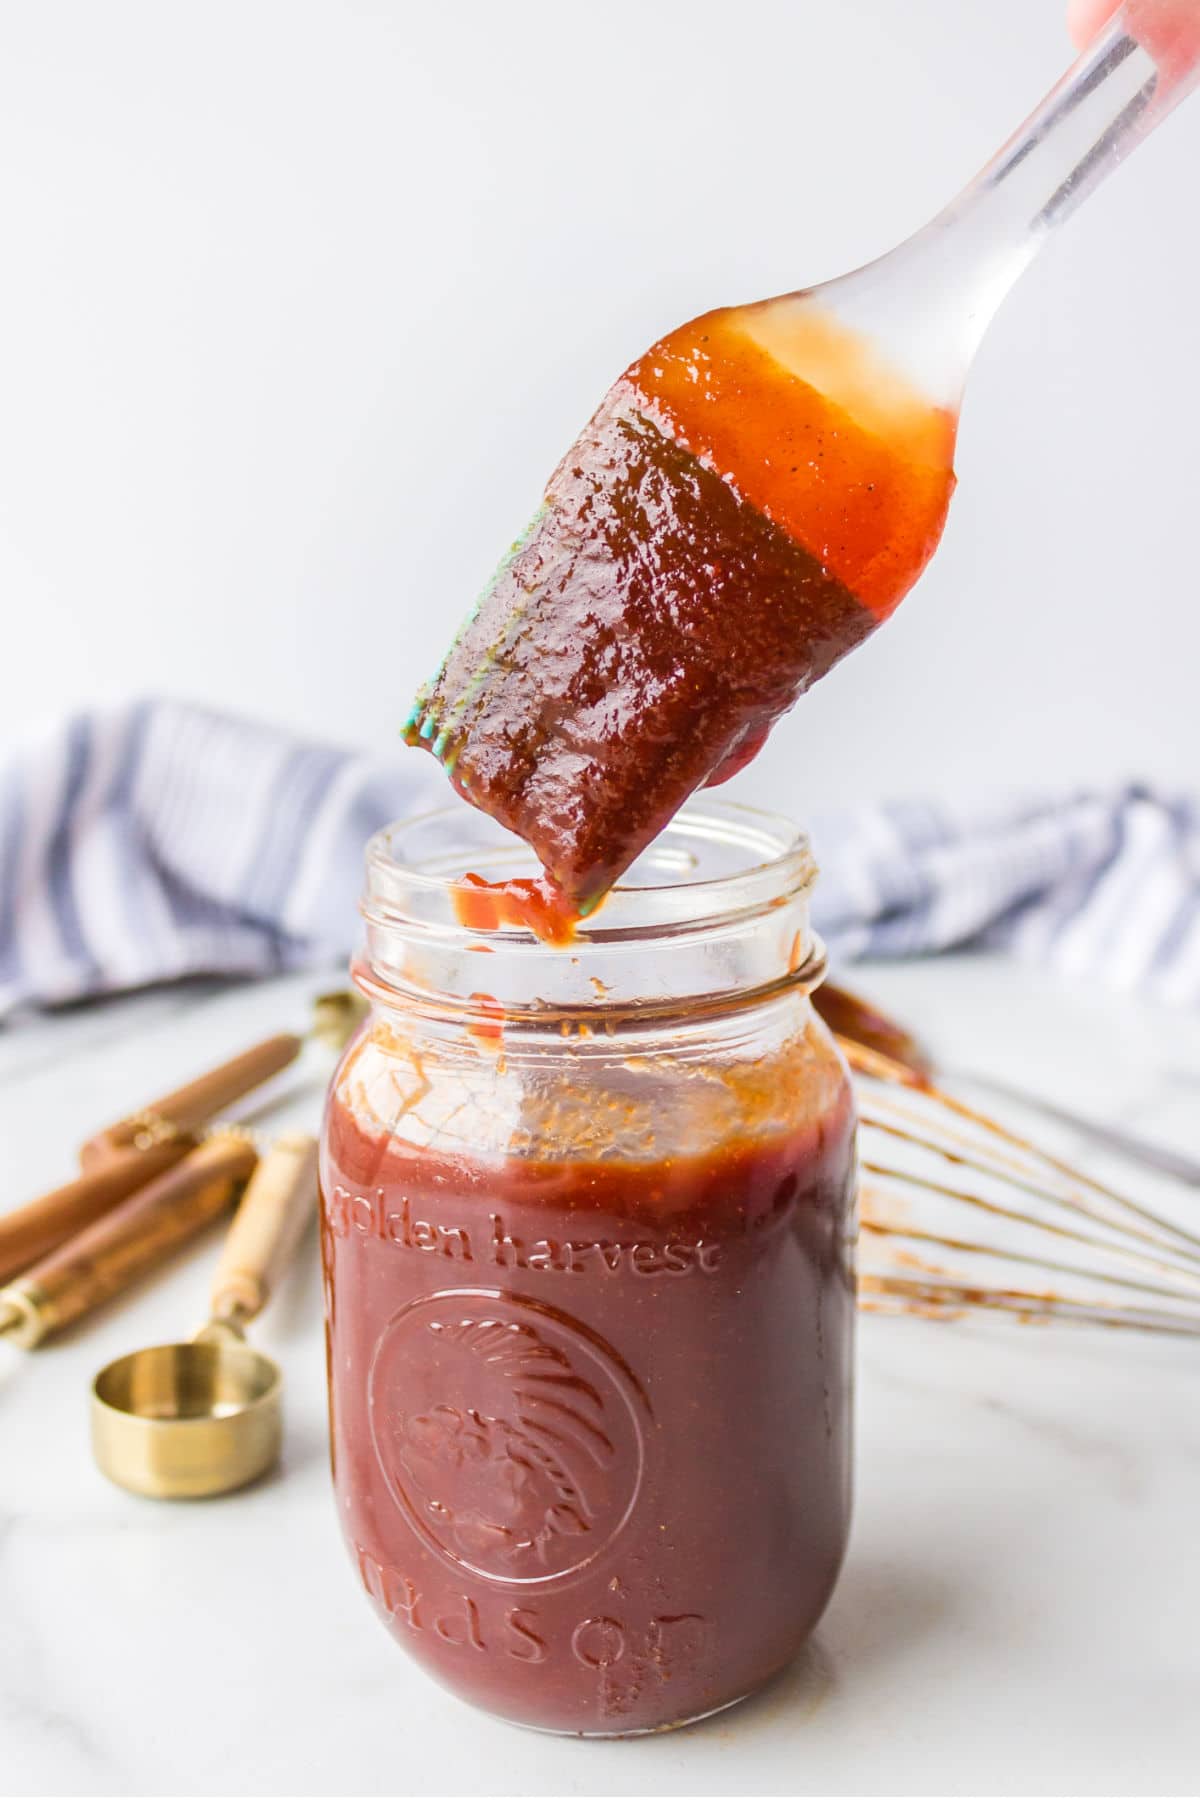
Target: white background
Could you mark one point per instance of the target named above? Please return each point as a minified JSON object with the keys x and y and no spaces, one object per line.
{"x":300,"y":303}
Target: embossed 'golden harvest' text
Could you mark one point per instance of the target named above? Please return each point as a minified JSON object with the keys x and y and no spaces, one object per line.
{"x":492,"y":1244}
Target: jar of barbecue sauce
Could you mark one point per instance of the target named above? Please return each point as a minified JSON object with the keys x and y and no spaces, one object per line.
{"x":588,"y":1218}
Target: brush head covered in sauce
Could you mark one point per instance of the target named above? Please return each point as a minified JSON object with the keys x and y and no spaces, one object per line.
{"x":750,"y":500}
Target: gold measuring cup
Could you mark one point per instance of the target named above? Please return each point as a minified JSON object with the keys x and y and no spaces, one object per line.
{"x":188,"y":1420}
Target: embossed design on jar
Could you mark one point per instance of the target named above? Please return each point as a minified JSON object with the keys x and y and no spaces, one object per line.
{"x":508,"y":1433}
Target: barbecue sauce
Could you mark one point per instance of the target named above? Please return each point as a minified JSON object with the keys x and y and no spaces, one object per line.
{"x":590,"y":1419}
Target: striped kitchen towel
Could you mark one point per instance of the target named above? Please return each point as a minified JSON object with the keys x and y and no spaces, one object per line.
{"x":160,"y":840}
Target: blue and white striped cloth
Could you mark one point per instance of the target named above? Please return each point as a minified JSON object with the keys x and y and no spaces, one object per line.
{"x":159,"y":840}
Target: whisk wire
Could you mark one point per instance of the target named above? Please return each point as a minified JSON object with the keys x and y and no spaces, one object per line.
{"x":1136,"y":1269}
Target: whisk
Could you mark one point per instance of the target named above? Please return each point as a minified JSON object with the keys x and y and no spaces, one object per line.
{"x":960,"y":1214}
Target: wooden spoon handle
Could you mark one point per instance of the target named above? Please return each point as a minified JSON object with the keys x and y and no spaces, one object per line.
{"x":135,"y":1237}
{"x":198,"y":1101}
{"x":35,"y":1229}
{"x":277,"y":1205}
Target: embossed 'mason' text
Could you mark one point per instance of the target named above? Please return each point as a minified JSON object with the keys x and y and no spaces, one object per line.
{"x":493,"y":1244}
{"x":667,"y":1645}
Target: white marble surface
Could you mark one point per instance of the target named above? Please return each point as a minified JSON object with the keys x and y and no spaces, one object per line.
{"x":1020,"y":1612}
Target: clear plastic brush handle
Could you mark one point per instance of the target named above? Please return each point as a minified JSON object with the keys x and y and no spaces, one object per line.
{"x":928,"y":302}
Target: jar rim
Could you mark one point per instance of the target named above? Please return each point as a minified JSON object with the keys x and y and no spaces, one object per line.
{"x":718,"y":860}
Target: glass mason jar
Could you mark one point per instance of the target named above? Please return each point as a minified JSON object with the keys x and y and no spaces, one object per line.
{"x":588,"y":1218}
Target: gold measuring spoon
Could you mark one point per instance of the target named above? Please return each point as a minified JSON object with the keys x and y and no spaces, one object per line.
{"x":126,"y":1156}
{"x":187,"y":1109}
{"x":127,"y":1243}
{"x":188,"y":1420}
